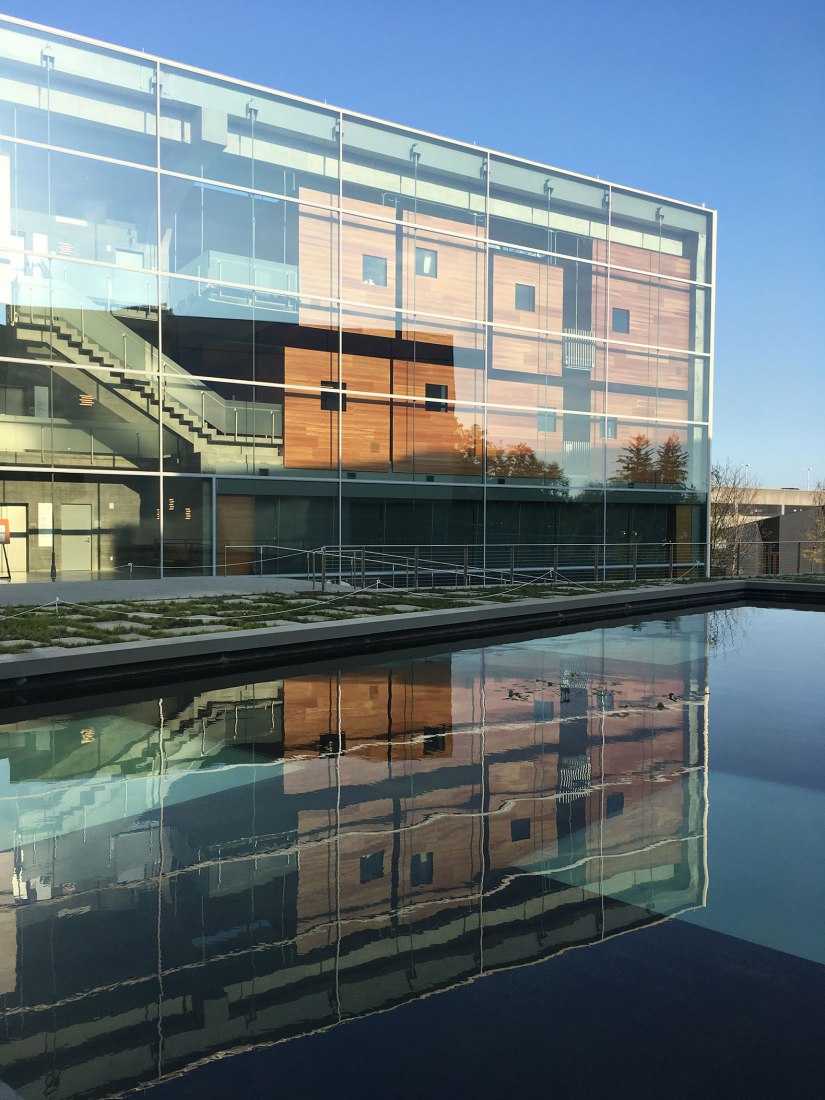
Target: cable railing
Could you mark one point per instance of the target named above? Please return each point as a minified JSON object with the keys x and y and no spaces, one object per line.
{"x":463,"y":565}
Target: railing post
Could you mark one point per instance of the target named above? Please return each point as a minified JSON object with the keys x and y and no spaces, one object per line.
{"x":671,"y":560}
{"x":363,"y":567}
{"x":512,"y":564}
{"x":415,"y":565}
{"x":555,"y":565}
{"x":736,"y":558}
{"x":596,"y":562}
{"x":466,"y":566}
{"x":260,"y":561}
{"x":799,"y":557}
{"x":635,"y":561}
{"x":323,"y":569}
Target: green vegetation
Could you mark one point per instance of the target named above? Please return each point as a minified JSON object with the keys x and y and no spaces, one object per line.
{"x":121,"y":622}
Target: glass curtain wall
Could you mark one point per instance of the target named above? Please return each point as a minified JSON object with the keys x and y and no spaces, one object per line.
{"x":238,"y":326}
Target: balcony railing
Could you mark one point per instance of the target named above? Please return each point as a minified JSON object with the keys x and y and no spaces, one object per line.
{"x":577,"y":349}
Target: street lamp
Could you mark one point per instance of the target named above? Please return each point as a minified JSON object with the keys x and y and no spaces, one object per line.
{"x":808,"y":472}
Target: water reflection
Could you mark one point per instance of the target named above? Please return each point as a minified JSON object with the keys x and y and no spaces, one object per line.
{"x":200,"y":873}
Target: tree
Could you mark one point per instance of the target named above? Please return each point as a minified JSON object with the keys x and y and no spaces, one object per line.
{"x":636,"y":462}
{"x":815,"y":535}
{"x":732,"y":492}
{"x":671,"y":462}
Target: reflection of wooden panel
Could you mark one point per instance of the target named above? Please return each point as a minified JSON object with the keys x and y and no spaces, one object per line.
{"x":458,"y":289}
{"x":310,"y":432}
{"x":624,"y":405}
{"x":366,"y":421}
{"x":669,"y":373}
{"x":659,"y":310}
{"x":526,"y":353}
{"x":317,"y":250}
{"x":547,"y":281}
{"x":236,"y":528}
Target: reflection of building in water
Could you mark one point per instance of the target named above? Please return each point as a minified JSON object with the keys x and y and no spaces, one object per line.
{"x":256,"y":862}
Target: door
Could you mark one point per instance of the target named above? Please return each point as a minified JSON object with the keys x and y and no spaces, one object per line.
{"x":76,"y":538}
{"x":17,"y":548}
{"x":236,"y":527}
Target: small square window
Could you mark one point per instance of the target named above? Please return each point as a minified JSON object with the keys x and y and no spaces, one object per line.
{"x":372,"y":866}
{"x":520,"y":828}
{"x":374,"y":270}
{"x":329,"y":397}
{"x":546,"y":420}
{"x":421,"y":869}
{"x":609,"y":428}
{"x":615,"y":804}
{"x":526,"y":297}
{"x":426,"y":262}
{"x":436,"y":398}
{"x":435,"y":739}
{"x":621,"y":320}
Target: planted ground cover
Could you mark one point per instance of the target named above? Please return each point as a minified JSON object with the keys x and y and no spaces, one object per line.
{"x":68,"y":626}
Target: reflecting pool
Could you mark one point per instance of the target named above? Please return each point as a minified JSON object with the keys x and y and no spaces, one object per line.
{"x":230,"y":866}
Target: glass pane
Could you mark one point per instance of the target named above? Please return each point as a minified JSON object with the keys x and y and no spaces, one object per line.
{"x":187,"y":527}
{"x":440,"y":519}
{"x":88,"y":525}
{"x":62,"y":414}
{"x":539,"y":208}
{"x":444,"y":275}
{"x":223,"y":235}
{"x":89,"y":315}
{"x":222,"y":426}
{"x":657,"y":312}
{"x":232,"y":133}
{"x":76,"y":95}
{"x":676,"y":236}
{"x":528,"y":370}
{"x":524,"y":516}
{"x":223,"y":331}
{"x":658,"y":456}
{"x":559,"y":448}
{"x":420,"y":177}
{"x":266,"y":526}
{"x":72,"y":206}
{"x":643,"y":381}
{"x":436,"y":438}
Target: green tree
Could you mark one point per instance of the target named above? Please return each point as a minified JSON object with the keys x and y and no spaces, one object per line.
{"x":636,"y":461}
{"x":671,"y":462}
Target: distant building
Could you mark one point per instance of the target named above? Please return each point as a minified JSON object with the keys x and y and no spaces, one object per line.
{"x":238,"y":325}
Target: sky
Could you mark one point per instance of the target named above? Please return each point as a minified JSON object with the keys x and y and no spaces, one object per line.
{"x":719,"y":102}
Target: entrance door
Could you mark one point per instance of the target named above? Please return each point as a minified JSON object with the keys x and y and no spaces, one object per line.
{"x":76,"y":538}
{"x":236,"y":530}
{"x":17,"y":549}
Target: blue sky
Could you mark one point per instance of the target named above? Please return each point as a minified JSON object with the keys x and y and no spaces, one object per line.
{"x":717,"y":102}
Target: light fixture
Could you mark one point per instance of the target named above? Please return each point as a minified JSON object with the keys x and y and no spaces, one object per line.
{"x":47,"y":57}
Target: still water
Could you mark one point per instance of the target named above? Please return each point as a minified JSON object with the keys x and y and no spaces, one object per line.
{"x":265,"y":870}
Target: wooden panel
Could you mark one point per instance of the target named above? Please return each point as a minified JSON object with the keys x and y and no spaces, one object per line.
{"x":236,"y":527}
{"x":366,"y":421}
{"x":546,"y":279}
{"x":310,"y":432}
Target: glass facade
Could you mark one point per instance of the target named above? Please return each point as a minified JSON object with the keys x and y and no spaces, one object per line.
{"x":236,"y":325}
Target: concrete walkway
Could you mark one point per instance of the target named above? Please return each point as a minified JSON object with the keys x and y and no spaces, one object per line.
{"x":40,"y":593}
